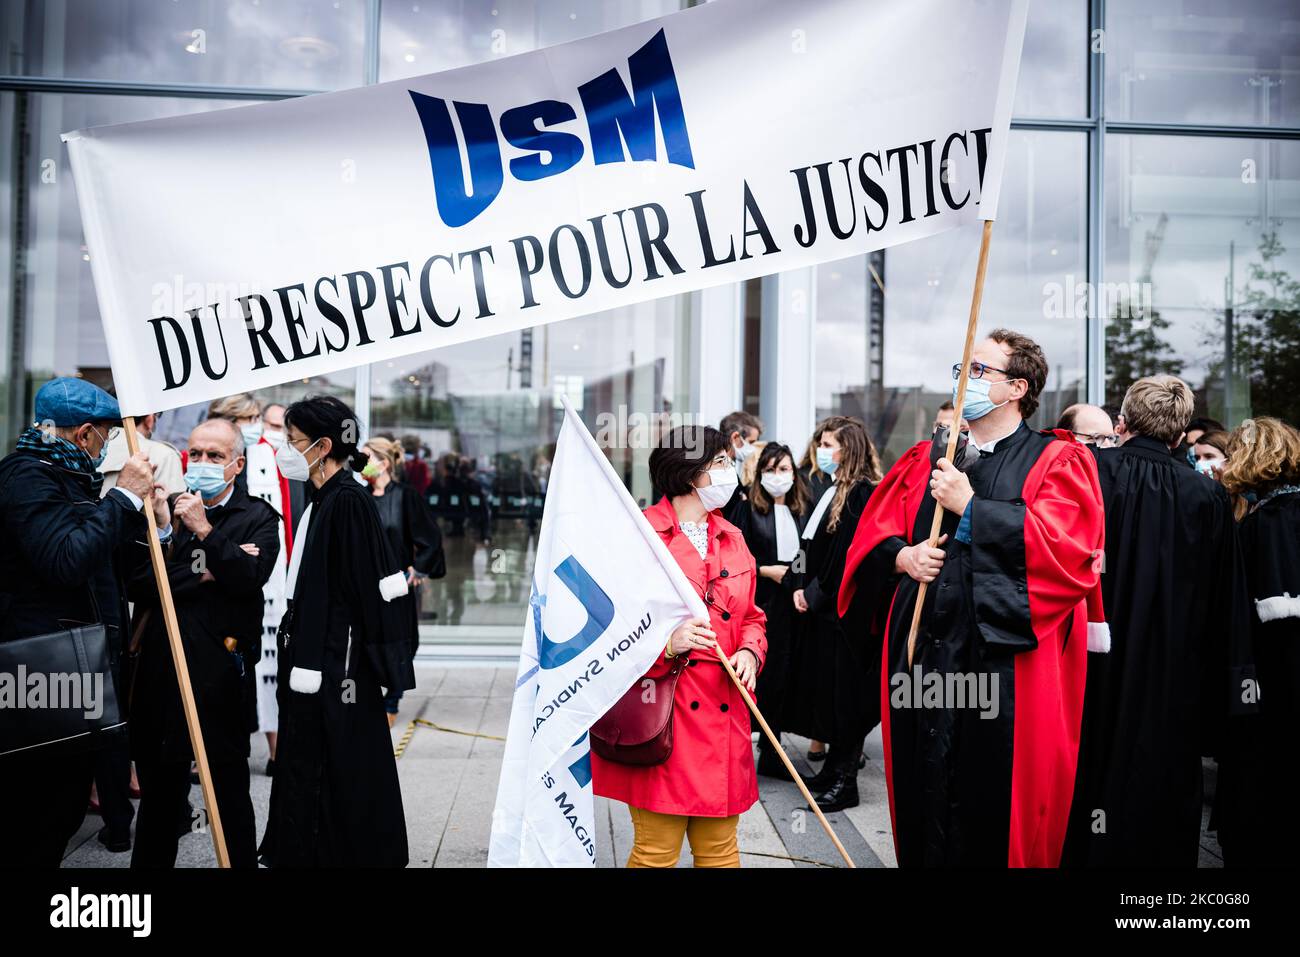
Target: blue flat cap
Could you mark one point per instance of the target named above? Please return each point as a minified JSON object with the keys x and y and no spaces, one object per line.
{"x":72,"y":401}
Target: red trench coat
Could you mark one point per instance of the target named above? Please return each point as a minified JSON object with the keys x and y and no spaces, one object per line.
{"x":710,"y":772}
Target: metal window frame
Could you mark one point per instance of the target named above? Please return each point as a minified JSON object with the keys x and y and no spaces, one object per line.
{"x":1094,"y":124}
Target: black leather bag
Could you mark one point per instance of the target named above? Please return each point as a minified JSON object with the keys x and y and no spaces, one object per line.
{"x":75,"y":668}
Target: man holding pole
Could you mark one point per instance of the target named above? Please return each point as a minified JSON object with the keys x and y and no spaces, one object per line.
{"x":981,"y":715}
{"x":223,"y":548}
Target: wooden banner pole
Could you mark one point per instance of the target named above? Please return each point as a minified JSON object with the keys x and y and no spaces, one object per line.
{"x":953,"y":432}
{"x":178,"y":659}
{"x":776,"y":743}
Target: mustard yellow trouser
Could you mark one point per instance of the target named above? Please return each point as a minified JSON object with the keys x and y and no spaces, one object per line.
{"x":658,"y":839}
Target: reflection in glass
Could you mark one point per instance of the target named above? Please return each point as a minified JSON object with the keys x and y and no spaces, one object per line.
{"x":891,"y":324}
{"x":416,"y":39}
{"x":1237,"y":64}
{"x":283,"y":44}
{"x":1054,"y":61}
{"x":1203,"y":255}
{"x":479,"y":422}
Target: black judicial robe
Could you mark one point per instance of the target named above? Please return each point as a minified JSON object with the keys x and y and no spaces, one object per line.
{"x":335,"y":797}
{"x":1259,"y":776}
{"x":1158,"y":699}
{"x":834,"y":663}
{"x":967,"y":790}
{"x":777,"y":601}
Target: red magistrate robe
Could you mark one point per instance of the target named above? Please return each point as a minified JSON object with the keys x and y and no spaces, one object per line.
{"x":981,"y":737}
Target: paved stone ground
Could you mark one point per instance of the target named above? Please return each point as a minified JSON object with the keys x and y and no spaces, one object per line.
{"x":449,"y":782}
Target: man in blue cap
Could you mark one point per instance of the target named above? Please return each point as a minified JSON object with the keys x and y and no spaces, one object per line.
{"x":66,"y":555}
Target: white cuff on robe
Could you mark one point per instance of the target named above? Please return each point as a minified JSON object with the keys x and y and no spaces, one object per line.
{"x":1279,"y":606}
{"x":1099,"y":637}
{"x":304,"y":680}
{"x":394,"y":586}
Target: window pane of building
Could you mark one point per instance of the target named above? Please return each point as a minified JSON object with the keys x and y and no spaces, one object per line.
{"x":284,"y":44}
{"x":482,"y":418}
{"x":419,"y":38}
{"x":1203,"y":270}
{"x":1054,"y":61}
{"x":1175,"y":61}
{"x":895,"y":371}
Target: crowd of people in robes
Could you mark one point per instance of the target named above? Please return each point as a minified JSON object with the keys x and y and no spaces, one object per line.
{"x":1108,"y":608}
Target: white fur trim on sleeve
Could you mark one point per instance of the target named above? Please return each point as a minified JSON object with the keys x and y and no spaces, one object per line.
{"x":1279,"y":606}
{"x":304,"y":681}
{"x":394,"y":586}
{"x":1099,"y":637}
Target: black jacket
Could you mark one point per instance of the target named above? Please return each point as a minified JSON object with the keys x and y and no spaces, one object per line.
{"x":61,"y":545}
{"x":229,"y":605}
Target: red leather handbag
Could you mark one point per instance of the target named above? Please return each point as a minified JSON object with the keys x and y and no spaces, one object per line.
{"x":636,"y":731}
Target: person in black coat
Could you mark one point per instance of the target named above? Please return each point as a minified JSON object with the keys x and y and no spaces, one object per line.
{"x":411,"y":530}
{"x":344,"y":643}
{"x":1258,"y":773}
{"x":834,"y":695}
{"x":223,"y":547}
{"x":66,"y":554}
{"x":772,"y":521}
{"x":1159,"y":686}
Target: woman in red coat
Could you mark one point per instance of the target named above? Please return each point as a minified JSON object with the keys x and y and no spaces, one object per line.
{"x":700,"y":791}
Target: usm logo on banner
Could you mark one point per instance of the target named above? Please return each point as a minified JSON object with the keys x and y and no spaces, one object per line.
{"x":614,"y":116}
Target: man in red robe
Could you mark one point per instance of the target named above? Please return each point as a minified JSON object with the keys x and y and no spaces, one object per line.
{"x":981,"y":733}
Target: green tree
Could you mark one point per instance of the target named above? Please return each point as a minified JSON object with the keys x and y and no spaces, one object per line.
{"x":1135,"y":348}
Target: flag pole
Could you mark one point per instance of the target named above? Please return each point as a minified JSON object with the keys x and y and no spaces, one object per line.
{"x":178,"y":660}
{"x":794,"y":775}
{"x":955,"y":430}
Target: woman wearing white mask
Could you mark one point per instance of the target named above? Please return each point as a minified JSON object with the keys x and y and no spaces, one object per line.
{"x":1210,"y":454}
{"x":344,"y":641}
{"x":706,"y":781}
{"x":834,"y":695}
{"x":779,"y":505}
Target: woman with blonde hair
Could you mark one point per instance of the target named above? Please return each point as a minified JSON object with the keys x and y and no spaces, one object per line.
{"x":1258,"y":777}
{"x":411,"y":530}
{"x":834,"y":694}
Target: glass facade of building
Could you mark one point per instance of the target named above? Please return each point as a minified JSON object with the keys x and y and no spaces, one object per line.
{"x":1150,"y":221}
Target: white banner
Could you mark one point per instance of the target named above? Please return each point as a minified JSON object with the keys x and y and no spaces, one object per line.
{"x":242,"y":248}
{"x":606,"y":595}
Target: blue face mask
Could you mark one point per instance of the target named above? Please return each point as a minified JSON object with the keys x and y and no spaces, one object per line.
{"x":98,"y":460}
{"x":825,"y":462}
{"x":206,"y":478}
{"x":977,"y":404}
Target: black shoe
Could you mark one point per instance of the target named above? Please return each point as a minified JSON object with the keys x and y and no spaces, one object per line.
{"x":820,"y":781}
{"x":270,"y":767}
{"x":771,"y":766}
{"x":862,"y":761}
{"x":840,"y":795}
{"x":816,"y":757}
{"x":117,"y":843}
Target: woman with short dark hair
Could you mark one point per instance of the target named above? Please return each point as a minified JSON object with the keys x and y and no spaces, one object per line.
{"x":335,"y":799}
{"x":700,"y":790}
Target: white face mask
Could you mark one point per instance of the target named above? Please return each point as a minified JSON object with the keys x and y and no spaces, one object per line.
{"x":274,"y":438}
{"x":777,"y":483}
{"x":292,"y":463}
{"x":719,"y":492}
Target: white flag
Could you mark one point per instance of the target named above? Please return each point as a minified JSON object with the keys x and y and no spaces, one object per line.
{"x":606,"y":595}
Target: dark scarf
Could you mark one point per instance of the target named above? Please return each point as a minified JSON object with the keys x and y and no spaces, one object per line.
{"x":62,"y":454}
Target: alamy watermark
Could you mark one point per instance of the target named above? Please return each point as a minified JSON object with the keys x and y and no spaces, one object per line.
{"x":945,"y":691}
{"x":57,"y":691}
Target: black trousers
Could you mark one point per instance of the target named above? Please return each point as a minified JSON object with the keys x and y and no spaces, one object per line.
{"x":164,"y":793}
{"x":113,"y":786}
{"x":42,"y":804}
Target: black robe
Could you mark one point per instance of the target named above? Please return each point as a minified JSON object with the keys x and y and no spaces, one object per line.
{"x":835,"y":664}
{"x":1158,"y":699}
{"x":415,"y":539}
{"x":1258,"y":774}
{"x":777,"y":601}
{"x":335,"y":797}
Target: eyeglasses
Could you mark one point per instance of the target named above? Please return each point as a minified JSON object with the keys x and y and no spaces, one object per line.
{"x":1105,"y":440}
{"x":977,"y":370}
